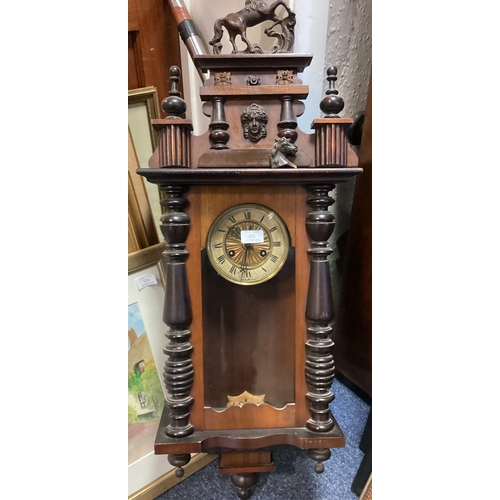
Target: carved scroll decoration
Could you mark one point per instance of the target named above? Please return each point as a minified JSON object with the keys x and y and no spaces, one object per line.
{"x":287,"y":35}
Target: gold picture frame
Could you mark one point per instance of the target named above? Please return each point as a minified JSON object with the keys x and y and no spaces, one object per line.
{"x":167,"y":481}
{"x":152,"y":475}
{"x":143,"y":106}
{"x":142,"y":231}
{"x":147,"y":97}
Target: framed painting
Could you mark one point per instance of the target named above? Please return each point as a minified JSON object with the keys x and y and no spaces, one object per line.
{"x":142,"y":230}
{"x":143,"y":106}
{"x":149,"y":475}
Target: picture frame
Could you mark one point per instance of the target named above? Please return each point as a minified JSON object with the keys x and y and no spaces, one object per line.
{"x":143,"y":106}
{"x":152,"y":475}
{"x":142,"y":231}
{"x":146,"y":97}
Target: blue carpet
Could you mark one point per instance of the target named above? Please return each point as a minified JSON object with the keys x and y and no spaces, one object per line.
{"x":294,"y":477}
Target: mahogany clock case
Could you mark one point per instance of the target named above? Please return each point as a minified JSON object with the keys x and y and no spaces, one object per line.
{"x":250,"y":335}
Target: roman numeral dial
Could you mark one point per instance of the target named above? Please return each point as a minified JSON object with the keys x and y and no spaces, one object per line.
{"x":248,"y":244}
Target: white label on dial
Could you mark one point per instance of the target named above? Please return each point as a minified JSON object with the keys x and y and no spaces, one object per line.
{"x":252,"y":236}
{"x":146,"y":280}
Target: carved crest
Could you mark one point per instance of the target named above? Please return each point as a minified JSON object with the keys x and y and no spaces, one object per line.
{"x":255,"y":12}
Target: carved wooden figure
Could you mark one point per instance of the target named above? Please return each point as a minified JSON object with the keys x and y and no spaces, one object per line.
{"x":248,"y":301}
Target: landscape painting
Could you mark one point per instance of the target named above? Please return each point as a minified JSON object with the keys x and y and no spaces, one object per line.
{"x":145,"y":394}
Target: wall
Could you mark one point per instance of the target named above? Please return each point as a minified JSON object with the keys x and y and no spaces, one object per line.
{"x":349,"y":47}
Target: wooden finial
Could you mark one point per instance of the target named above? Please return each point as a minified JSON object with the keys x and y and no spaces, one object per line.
{"x":173,"y":105}
{"x":332,"y":103}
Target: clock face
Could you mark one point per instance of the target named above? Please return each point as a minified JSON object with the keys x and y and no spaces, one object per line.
{"x":248,"y":244}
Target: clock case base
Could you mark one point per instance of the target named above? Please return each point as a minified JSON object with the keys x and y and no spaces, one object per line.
{"x":246,"y":453}
{"x":220,"y":441}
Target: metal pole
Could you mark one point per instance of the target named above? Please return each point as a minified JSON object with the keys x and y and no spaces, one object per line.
{"x":188,"y":31}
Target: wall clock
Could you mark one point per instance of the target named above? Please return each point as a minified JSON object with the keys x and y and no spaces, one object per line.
{"x":249,"y":304}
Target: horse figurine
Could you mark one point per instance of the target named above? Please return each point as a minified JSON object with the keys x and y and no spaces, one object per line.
{"x":287,"y":35}
{"x":282,"y":148}
{"x":255,"y":12}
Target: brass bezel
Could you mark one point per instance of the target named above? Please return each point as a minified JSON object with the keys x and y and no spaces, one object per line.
{"x":282,"y":228}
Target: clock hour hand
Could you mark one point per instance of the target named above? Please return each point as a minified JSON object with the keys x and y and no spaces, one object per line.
{"x":244,"y":266}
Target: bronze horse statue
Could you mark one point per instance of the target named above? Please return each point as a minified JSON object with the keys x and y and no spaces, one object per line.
{"x":254,"y":12}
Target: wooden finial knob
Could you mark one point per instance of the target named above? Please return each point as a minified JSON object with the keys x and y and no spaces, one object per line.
{"x":332,"y":103}
{"x":319,"y":468}
{"x":173,"y":105}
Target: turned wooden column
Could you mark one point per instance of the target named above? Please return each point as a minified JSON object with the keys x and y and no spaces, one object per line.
{"x":288,"y":122}
{"x":219,"y":136}
{"x":319,"y":310}
{"x":320,"y":369}
{"x":178,"y":374}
